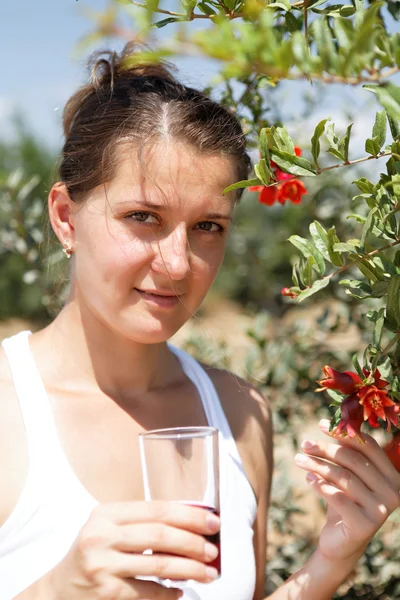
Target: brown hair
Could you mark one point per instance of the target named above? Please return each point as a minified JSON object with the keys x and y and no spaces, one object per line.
{"x":140,"y":102}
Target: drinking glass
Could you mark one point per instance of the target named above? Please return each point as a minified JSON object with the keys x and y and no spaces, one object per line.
{"x":181,"y":464}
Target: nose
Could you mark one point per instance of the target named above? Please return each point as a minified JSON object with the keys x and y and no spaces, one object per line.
{"x":172,"y":255}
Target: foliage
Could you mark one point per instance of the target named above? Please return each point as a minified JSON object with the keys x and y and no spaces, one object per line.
{"x":284,"y":359}
{"x":28,"y":283}
{"x":260,"y":43}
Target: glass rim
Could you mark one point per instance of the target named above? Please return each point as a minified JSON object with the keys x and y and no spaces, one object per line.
{"x":170,"y":433}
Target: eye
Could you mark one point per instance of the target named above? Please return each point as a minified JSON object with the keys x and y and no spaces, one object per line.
{"x":210,"y":227}
{"x":143,"y":217}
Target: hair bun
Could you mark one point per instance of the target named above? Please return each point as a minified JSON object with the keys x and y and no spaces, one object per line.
{"x":107,"y":67}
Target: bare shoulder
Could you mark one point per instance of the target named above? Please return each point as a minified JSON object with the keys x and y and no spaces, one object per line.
{"x":13,"y":464}
{"x":248,"y":412}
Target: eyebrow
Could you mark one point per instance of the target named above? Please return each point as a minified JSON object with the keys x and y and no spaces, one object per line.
{"x":162,"y":207}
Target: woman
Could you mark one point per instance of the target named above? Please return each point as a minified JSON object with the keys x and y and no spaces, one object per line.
{"x":140,"y":209}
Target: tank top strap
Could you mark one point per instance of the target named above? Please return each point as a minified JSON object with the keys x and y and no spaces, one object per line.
{"x":32,"y":397}
{"x":211,"y":403}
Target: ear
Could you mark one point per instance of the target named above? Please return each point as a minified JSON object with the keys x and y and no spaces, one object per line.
{"x":62,"y":212}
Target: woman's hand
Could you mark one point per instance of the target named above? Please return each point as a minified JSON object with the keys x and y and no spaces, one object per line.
{"x":360,"y":486}
{"x":108,"y":554}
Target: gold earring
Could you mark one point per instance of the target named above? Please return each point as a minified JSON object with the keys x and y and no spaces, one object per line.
{"x":67,"y":251}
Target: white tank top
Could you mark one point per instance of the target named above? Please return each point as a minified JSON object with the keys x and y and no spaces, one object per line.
{"x":54,"y":505}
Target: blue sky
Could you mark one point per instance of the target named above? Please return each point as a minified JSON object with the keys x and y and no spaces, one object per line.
{"x":39,"y":71}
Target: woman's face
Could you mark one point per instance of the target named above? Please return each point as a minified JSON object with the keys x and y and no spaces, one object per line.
{"x":149,"y":244}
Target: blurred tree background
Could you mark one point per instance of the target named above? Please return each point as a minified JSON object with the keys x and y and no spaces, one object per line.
{"x":281,"y":346}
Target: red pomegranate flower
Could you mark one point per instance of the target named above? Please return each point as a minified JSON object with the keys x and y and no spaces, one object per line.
{"x":291,"y":190}
{"x":267,"y":193}
{"x":347,"y":382}
{"x":376,"y":403}
{"x":352,"y":419}
{"x":285,"y":291}
{"x":287,"y":188}
{"x":372,"y":400}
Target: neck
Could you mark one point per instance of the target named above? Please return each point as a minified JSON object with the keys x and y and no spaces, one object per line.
{"x":89,"y":355}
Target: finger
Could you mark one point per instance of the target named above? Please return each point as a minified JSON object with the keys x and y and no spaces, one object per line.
{"x":135,"y":589}
{"x":372,"y":452}
{"x":342,"y":478}
{"x":164,"y":538}
{"x":176,"y":514}
{"x":338,"y":500}
{"x":163,"y":566}
{"x":350,"y":459}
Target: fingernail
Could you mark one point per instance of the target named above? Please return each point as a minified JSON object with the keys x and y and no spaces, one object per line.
{"x":300,"y":458}
{"x":213,"y":522}
{"x":210,"y":551}
{"x":211,"y":573}
{"x":324,"y":424}
{"x":307,"y":444}
{"x":311,"y":477}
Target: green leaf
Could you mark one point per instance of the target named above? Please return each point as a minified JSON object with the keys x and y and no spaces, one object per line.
{"x":292,"y":23}
{"x":263,"y":172}
{"x":357,"y":366}
{"x":315,"y":144}
{"x":336,"y":396}
{"x":369,"y":271}
{"x":307,"y":271}
{"x":334,"y":142}
{"x":336,"y":10}
{"x":378,"y":329}
{"x":394,"y":127}
{"x":285,"y":4}
{"x":295,"y":277}
{"x":263,"y":143}
{"x":379,"y":129}
{"x":242,"y":184}
{"x":333,"y":239}
{"x":296,"y":165}
{"x":372,"y":146}
{"x":308,"y":249}
{"x":393,"y":301}
{"x":344,"y":33}
{"x":325,"y":45}
{"x":206,"y":9}
{"x":164,"y":22}
{"x":389,"y":96}
{"x":279,"y":137}
{"x":380,"y":289}
{"x":320,"y":238}
{"x":360,"y":8}
{"x":344,"y":247}
{"x":366,"y":186}
{"x":344,"y":143}
{"x":318,"y":285}
{"x":368,"y":225}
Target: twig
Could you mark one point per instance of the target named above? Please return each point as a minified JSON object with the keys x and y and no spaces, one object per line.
{"x":192,"y":16}
{"x":363,"y":257}
{"x":354,"y":162}
{"x":391,"y":344}
{"x":278,"y":74}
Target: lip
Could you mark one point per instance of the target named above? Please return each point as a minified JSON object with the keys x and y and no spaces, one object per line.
{"x":163,"y":299}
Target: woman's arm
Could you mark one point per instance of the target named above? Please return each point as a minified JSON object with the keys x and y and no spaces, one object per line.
{"x":357,"y":481}
{"x":361,"y":488}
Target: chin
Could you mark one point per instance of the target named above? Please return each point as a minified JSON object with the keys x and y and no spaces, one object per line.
{"x":155,"y":333}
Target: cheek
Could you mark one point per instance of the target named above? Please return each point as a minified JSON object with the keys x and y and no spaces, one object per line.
{"x":206,"y":264}
{"x":105,"y":255}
